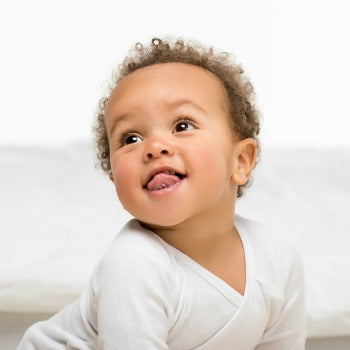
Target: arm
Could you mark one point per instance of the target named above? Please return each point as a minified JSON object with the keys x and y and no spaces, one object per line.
{"x":132,"y":298}
{"x":125,"y":307}
{"x":287,"y":330}
{"x":68,"y":329}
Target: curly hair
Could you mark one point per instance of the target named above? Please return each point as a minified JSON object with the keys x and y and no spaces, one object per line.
{"x":243,"y":118}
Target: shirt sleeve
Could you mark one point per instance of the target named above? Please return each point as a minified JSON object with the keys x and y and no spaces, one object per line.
{"x":126,"y":305}
{"x":133,"y":298}
{"x":287,"y":330}
{"x":70,"y":328}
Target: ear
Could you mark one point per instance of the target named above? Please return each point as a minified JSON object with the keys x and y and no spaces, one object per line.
{"x":245,"y":154}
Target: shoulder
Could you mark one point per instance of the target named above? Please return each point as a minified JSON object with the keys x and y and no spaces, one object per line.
{"x":134,"y":253}
{"x":134,"y":241}
{"x":277,"y":261}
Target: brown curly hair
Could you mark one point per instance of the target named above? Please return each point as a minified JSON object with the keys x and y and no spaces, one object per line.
{"x":243,"y":115}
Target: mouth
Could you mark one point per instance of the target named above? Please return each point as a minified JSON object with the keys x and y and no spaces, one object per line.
{"x":163,"y":181}
{"x":163,"y":177}
{"x":161,"y":189}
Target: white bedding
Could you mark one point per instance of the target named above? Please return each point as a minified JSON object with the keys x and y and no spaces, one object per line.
{"x":58,"y":214}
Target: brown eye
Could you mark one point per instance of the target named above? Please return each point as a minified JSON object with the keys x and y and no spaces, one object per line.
{"x":128,"y":139}
{"x":183,"y":125}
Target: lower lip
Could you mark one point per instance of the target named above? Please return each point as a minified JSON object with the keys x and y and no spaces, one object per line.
{"x":165,"y":191}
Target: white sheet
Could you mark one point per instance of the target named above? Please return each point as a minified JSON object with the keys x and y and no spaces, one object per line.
{"x":59,"y":214}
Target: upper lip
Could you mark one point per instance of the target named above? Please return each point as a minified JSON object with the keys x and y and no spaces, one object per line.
{"x":156,"y":171}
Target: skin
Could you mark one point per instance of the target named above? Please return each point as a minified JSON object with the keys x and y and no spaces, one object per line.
{"x":197,"y":218}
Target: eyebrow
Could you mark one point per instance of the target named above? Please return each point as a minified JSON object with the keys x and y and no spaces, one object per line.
{"x":173,"y":105}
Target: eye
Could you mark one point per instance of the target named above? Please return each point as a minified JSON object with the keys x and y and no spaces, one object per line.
{"x":183,"y":124}
{"x":127,"y":139}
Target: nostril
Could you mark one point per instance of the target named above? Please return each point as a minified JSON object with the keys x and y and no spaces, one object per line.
{"x":151,"y":155}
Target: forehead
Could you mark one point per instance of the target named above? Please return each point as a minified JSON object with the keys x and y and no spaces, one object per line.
{"x":160,"y":84}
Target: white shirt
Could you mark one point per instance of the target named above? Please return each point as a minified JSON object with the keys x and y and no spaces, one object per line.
{"x":146,"y":294}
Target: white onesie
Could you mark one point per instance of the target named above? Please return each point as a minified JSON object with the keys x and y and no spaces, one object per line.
{"x":146,"y":294}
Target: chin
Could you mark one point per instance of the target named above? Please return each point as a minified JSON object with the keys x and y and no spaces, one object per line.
{"x":159,"y":222}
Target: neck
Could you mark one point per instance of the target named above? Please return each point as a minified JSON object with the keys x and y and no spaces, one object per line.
{"x":203,"y":238}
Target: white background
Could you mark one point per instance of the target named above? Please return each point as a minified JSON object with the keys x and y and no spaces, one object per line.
{"x":56,"y":57}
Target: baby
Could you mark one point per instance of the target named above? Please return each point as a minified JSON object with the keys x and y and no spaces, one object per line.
{"x":177,"y":135}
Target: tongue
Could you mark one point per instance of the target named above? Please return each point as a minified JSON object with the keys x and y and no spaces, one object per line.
{"x":162,"y":179}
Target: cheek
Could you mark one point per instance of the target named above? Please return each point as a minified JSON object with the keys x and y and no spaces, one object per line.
{"x":213,"y":157}
{"x":124,"y":173}
{"x":210,"y":162}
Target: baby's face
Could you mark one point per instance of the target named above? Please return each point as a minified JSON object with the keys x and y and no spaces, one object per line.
{"x":170,"y":115}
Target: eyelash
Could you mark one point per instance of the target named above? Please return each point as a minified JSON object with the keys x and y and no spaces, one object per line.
{"x":128,"y":133}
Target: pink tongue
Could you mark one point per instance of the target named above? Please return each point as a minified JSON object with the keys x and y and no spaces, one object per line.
{"x":162,"y":179}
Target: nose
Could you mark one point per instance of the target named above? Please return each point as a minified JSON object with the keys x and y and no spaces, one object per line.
{"x":158,"y":147}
